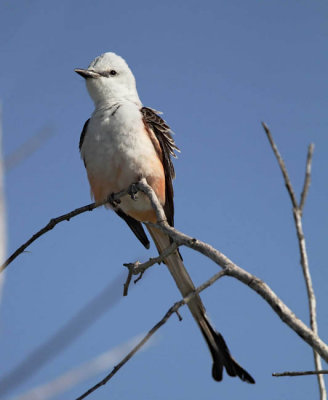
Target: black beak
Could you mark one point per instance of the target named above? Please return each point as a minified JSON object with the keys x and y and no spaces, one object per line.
{"x":86,"y":73}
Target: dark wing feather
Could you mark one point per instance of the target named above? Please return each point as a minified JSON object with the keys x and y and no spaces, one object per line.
{"x":84,"y":131}
{"x":164,"y":136}
{"x":134,"y":225}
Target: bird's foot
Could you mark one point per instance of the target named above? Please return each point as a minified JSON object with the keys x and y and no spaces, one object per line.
{"x":133,"y":190}
{"x":114,"y":202}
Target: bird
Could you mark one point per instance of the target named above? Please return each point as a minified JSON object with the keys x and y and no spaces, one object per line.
{"x":123,"y":142}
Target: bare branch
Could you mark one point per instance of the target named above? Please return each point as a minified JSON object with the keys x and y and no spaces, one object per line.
{"x":137,"y":268}
{"x":155,"y":328}
{"x":219,"y":258}
{"x":113,"y":199}
{"x":285,"y":314}
{"x":297,"y":213}
{"x":144,"y":187}
{"x":229,"y":268}
{"x":51,"y":224}
{"x":301,"y":373}
{"x":282,"y":166}
{"x":127,"y":282}
{"x":310,"y":294}
{"x":307,"y":179}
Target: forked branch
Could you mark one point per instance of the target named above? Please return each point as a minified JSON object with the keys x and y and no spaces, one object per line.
{"x":297,"y":213}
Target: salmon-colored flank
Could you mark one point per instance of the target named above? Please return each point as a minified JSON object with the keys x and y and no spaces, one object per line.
{"x":101,"y":189}
{"x":144,"y":216}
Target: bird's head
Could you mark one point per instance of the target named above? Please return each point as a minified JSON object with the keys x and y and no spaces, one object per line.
{"x":109,"y":79}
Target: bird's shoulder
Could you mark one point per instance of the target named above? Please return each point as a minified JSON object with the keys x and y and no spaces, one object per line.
{"x":165,"y":147}
{"x":158,"y":126}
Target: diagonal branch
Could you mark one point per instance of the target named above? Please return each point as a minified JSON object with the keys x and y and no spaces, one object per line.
{"x":51,"y":224}
{"x":260,"y":287}
{"x":137,"y":268}
{"x":229,"y":268}
{"x":224,"y":262}
{"x":155,"y":328}
{"x":55,"y":221}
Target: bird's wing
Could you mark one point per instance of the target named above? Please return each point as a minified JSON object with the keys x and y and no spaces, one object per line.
{"x":82,"y":136}
{"x":135,"y":226}
{"x":154,"y":124}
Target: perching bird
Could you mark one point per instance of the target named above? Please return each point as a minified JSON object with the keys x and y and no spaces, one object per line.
{"x":123,"y":142}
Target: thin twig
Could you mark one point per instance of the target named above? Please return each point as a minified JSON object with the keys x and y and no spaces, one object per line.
{"x":127,"y":282}
{"x":139,"y":277}
{"x":282,"y":165}
{"x":311,"y":296}
{"x":301,"y":373}
{"x":178,"y":315}
{"x":54,"y":221}
{"x":137,"y":268}
{"x":307,"y":179}
{"x":297,"y":213}
{"x":51,"y":224}
{"x":168,"y":314}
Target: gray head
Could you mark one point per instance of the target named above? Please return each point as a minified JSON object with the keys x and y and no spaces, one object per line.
{"x":109,"y":79}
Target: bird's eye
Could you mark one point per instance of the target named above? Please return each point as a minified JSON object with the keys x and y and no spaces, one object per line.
{"x":112,"y":72}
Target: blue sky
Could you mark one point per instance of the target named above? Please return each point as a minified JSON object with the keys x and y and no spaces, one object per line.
{"x":216,"y":69}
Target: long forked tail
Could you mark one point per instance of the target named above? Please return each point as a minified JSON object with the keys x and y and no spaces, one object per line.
{"x":217,"y":345}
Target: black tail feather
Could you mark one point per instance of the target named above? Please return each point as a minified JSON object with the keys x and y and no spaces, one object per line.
{"x":223,"y":359}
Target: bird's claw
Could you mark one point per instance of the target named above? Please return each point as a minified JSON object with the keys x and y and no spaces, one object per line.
{"x":112,"y":201}
{"x":133,"y":190}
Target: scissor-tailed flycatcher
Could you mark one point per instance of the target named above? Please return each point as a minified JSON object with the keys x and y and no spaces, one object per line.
{"x":123,"y":142}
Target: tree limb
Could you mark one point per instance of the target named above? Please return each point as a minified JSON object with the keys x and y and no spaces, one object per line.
{"x":113,"y":199}
{"x":174,"y":309}
{"x":297,"y":213}
{"x":137,"y":268}
{"x":229,"y":268}
{"x":220,"y":259}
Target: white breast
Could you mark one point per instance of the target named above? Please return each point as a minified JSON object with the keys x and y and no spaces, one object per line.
{"x":118,"y":151}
